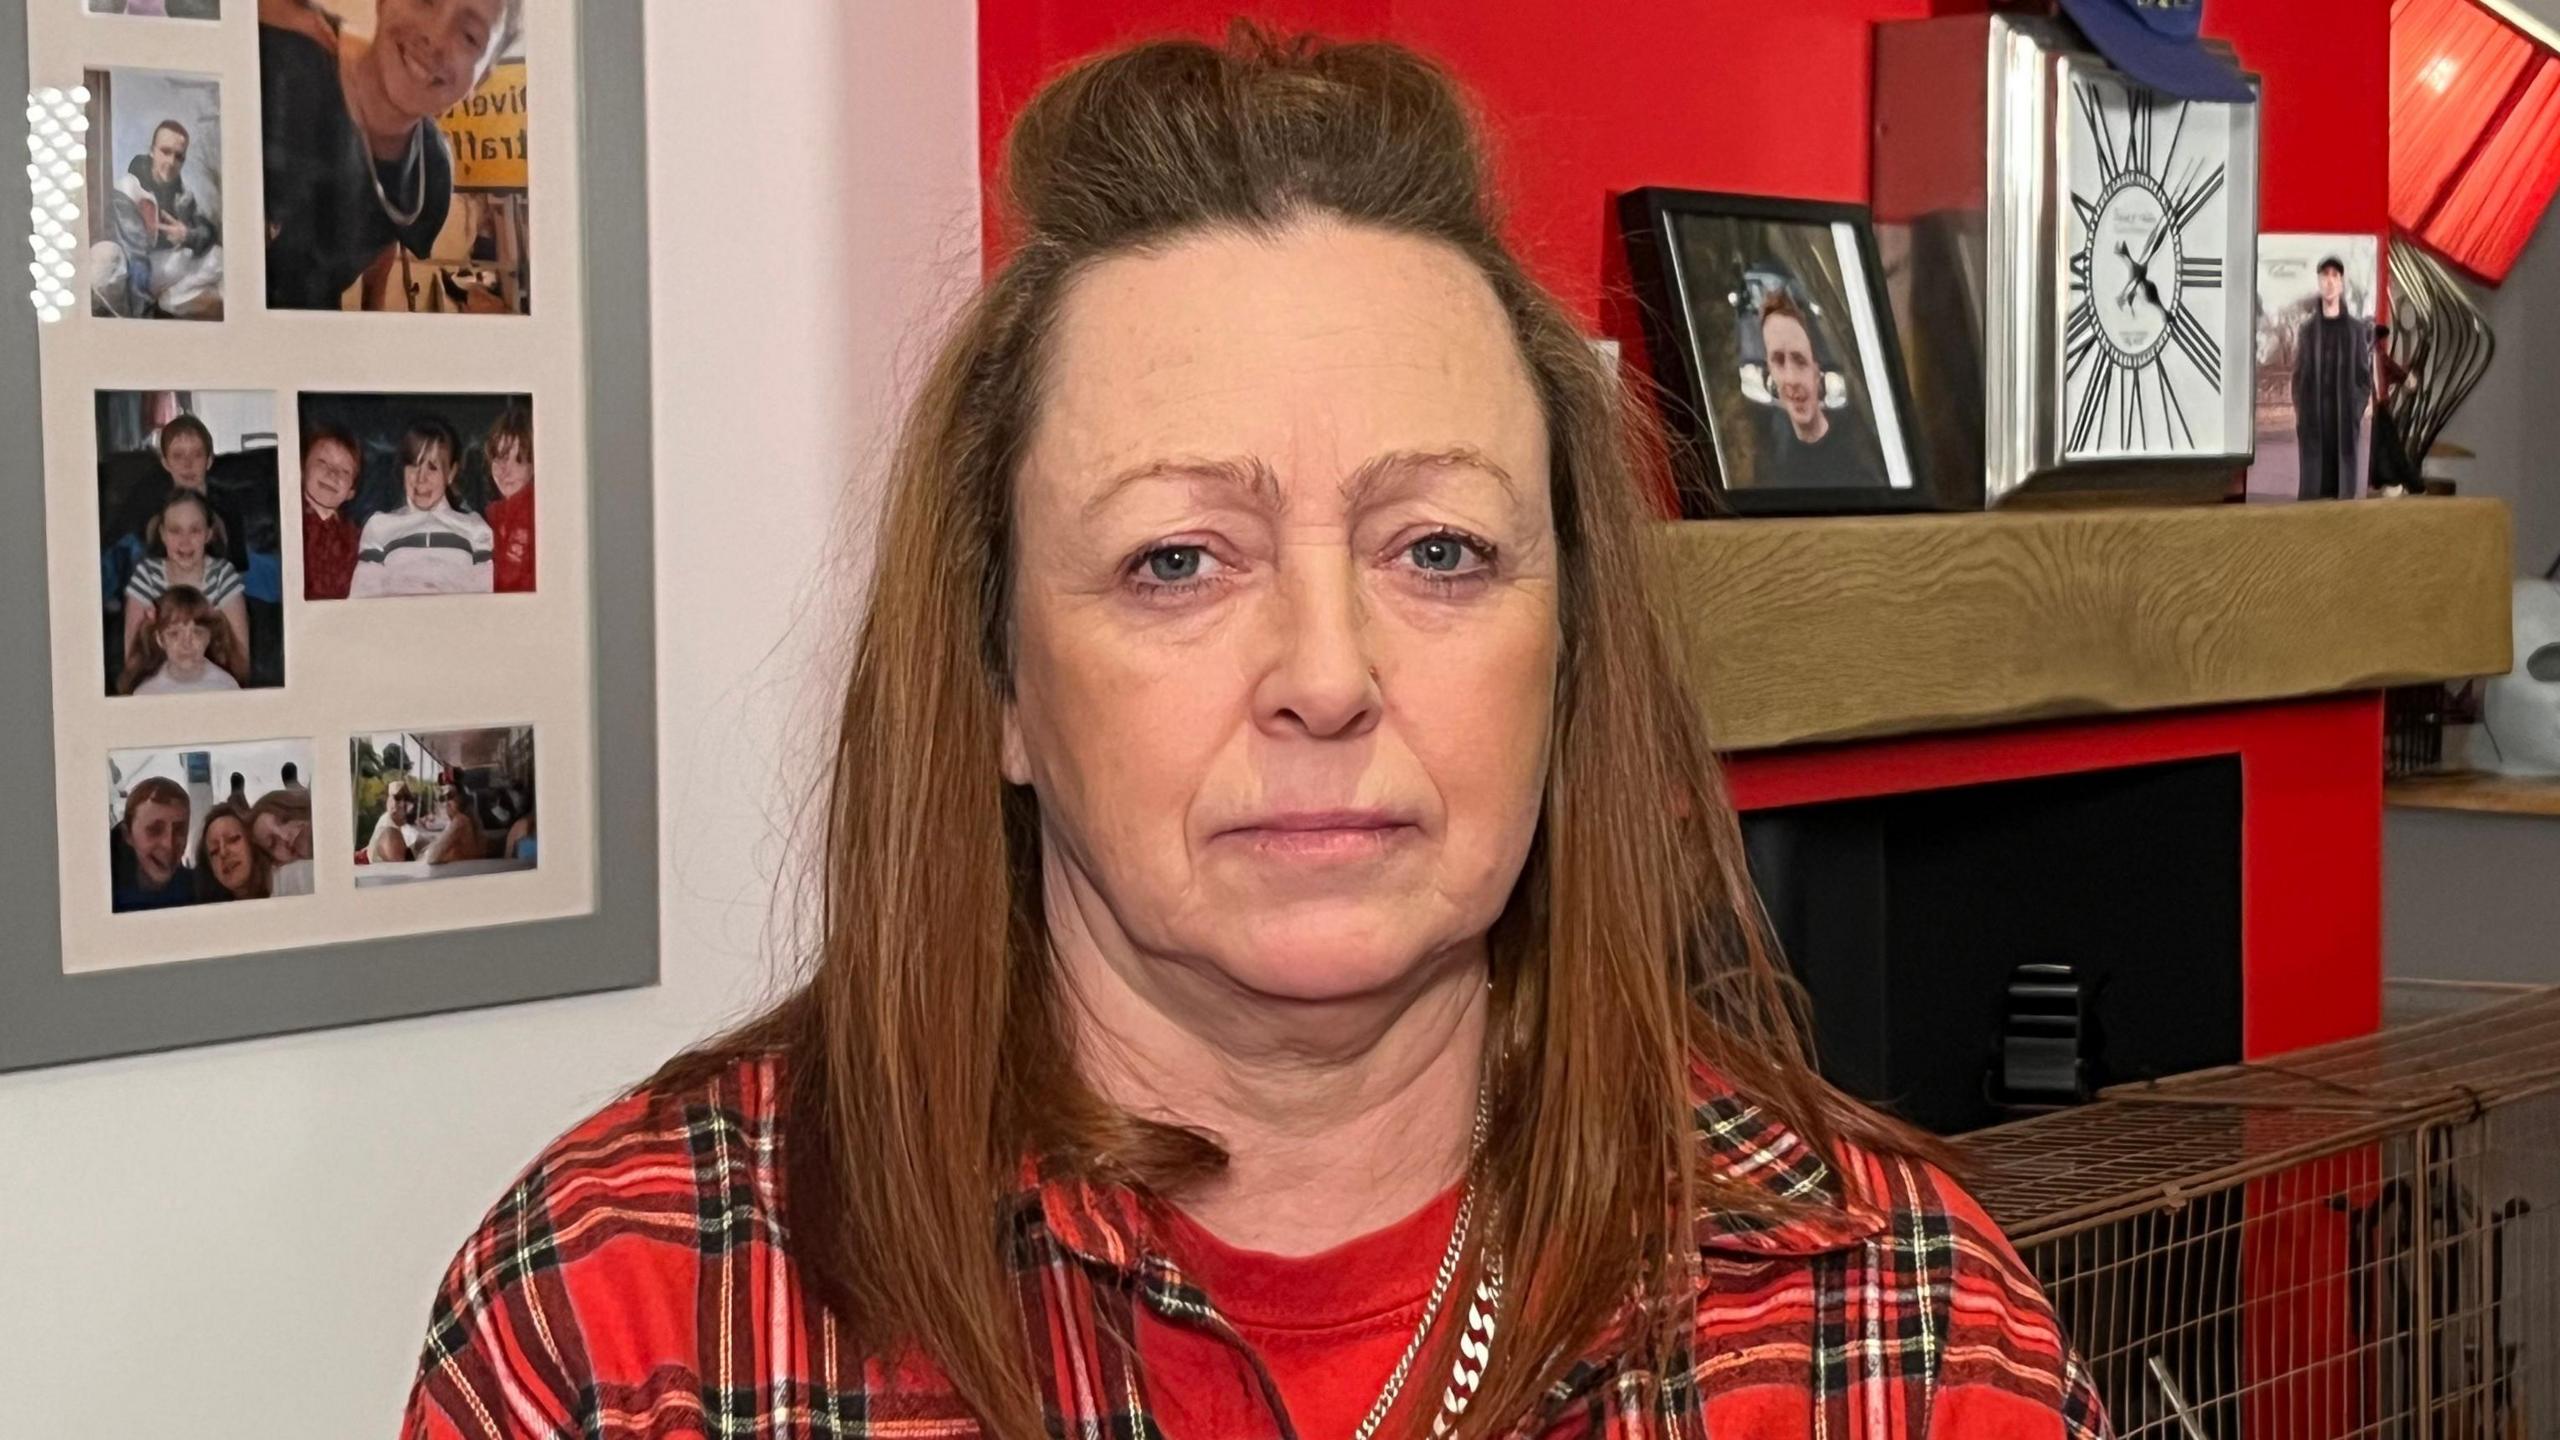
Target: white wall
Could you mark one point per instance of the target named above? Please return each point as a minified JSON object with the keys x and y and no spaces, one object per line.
{"x":242,"y":1240}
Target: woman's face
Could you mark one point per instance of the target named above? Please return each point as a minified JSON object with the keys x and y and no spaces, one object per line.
{"x":510,"y":469}
{"x":430,"y":53}
{"x":426,"y":477}
{"x":285,"y":841}
{"x":183,"y":641}
{"x":183,"y":534}
{"x":1285,"y":621}
{"x":186,"y":460}
{"x":226,"y":849}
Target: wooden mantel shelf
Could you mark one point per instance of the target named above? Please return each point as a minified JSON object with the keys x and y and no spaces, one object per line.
{"x":1803,"y":631}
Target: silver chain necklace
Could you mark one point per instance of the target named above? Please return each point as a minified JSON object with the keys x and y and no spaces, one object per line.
{"x":417,"y":207}
{"x":1475,"y":1347}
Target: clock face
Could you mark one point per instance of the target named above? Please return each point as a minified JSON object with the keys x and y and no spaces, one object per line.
{"x":2144,"y":372}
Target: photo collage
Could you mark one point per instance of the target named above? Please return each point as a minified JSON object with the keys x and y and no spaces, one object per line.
{"x":394,"y":178}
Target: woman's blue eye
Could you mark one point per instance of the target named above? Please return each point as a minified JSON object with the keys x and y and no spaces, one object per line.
{"x":1174,"y":564}
{"x":1440,"y":553}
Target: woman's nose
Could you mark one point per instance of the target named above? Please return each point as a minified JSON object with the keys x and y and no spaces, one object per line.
{"x":1322,"y":679}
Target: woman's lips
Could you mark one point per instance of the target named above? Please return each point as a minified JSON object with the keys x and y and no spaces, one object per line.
{"x":1321,"y":839}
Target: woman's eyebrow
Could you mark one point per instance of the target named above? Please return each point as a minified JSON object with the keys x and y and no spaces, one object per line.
{"x":1380,"y":471}
{"x":1250,"y":476}
{"x":1255,"y":480}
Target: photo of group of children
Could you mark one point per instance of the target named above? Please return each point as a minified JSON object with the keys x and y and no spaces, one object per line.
{"x":189,"y":561}
{"x":401,"y":495}
{"x":417,"y":495}
{"x":395,"y":168}
{"x":211,"y":824}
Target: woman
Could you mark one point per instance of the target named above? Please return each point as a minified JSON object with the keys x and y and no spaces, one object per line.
{"x":280,"y":824}
{"x":229,"y":864}
{"x":186,"y":650}
{"x":1281,"y":918}
{"x":179,"y":547}
{"x":354,"y":161}
{"x":426,"y":547}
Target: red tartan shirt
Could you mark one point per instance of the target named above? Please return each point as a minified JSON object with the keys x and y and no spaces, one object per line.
{"x":637,"y":1281}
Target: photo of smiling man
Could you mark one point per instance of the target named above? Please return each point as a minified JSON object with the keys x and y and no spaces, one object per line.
{"x":395,"y":155}
{"x":155,"y":168}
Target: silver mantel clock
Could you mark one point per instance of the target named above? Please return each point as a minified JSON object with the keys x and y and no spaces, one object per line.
{"x":2072,"y":260}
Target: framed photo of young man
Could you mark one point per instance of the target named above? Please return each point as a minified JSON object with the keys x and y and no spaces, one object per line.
{"x":1774,"y":353}
{"x":291,"y":636}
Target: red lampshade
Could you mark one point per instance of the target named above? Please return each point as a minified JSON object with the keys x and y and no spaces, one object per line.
{"x":2475,"y":132}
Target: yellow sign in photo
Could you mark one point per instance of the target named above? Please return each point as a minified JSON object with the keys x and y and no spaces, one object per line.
{"x":487,"y":132}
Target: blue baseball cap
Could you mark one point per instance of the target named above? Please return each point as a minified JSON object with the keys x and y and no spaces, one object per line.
{"x":2157,"y":42}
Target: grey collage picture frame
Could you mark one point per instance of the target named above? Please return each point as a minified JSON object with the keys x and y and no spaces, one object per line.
{"x":50,"y":1017}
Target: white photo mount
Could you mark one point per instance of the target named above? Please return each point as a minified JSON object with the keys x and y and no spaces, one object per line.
{"x":576,"y":659}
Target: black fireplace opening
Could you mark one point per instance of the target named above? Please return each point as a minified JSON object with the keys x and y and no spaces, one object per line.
{"x":1960,"y":946}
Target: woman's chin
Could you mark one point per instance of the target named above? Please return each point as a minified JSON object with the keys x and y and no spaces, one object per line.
{"x":1312,"y":959}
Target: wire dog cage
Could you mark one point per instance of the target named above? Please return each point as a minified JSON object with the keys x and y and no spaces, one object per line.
{"x":2358,"y":1240}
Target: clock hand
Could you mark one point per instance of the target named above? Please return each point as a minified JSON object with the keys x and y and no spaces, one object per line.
{"x":2159,"y":236}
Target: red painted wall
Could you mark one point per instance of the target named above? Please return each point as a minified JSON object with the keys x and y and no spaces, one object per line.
{"x":1590,"y":97}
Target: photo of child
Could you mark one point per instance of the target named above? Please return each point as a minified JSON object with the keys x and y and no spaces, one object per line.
{"x":187,"y":648}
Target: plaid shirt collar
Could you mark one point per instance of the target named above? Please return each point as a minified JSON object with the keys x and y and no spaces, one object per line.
{"x":1108,"y":1225}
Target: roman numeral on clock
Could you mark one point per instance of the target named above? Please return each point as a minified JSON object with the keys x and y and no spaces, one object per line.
{"x":2081,"y":337}
{"x":2200,"y":272}
{"x":2200,"y":189}
{"x":2171,"y":412}
{"x":2200,"y":348}
{"x":2109,"y":164}
{"x":2093,"y":407}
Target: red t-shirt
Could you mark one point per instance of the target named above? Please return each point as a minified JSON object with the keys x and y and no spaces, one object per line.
{"x":1329,"y":1327}
{"x":511,"y":547}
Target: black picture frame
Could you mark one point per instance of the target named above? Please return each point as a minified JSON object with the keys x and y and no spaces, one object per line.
{"x":1718,"y":428}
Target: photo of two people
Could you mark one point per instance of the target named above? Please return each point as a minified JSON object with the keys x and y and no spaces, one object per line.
{"x":439,"y":804}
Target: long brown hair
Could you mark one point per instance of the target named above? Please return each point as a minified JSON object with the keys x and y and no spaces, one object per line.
{"x":927,"y":1054}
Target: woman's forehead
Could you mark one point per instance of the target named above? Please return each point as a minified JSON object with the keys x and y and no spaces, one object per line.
{"x":1312,"y":352}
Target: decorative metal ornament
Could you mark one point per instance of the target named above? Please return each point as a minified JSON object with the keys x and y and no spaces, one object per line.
{"x":2440,"y":342}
